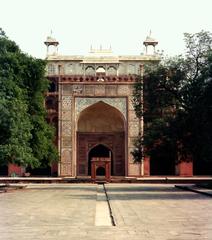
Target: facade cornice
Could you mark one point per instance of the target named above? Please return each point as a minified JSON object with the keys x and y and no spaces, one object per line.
{"x":103,"y":59}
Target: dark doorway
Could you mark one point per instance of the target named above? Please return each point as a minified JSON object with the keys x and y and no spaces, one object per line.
{"x":99,"y":151}
{"x":100,"y":171}
{"x":4,"y":170}
{"x":42,"y":171}
{"x":162,"y":162}
{"x":202,"y":167}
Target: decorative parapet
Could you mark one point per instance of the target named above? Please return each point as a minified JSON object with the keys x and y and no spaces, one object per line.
{"x":92,"y":78}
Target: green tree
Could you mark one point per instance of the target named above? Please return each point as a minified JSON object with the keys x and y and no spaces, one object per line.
{"x":177,"y":103}
{"x":193,"y":119}
{"x":137,"y":101}
{"x":25,"y":137}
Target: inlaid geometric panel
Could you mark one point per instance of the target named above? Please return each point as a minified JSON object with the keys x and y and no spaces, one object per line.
{"x":83,"y":102}
{"x":65,"y":166}
{"x":133,"y":129}
{"x":132,"y":116}
{"x":66,"y":155}
{"x":66,"y":102}
{"x":65,"y":169}
{"x":66,"y":142}
{"x":130,"y":103}
{"x":66,"y":128}
{"x":66,"y":115}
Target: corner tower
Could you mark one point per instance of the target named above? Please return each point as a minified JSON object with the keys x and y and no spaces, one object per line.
{"x":52,"y":46}
{"x":150,"y":44}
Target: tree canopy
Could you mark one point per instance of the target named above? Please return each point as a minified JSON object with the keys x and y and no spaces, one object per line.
{"x":25,"y":137}
{"x":178,"y":101}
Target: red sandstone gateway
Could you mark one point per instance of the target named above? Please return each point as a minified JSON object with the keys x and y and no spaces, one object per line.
{"x":90,"y":104}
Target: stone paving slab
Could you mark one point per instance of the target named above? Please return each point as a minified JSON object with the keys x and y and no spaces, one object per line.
{"x":75,"y":233}
{"x":44,"y":205}
{"x":144,"y":212}
{"x":163,"y":211}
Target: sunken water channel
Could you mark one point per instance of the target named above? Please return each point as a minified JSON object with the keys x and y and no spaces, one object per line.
{"x":104,"y":216}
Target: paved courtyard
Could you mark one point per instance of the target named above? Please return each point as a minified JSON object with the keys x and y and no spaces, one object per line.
{"x":65,"y":211}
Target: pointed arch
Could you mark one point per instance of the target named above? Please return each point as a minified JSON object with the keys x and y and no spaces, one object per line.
{"x":101,"y":117}
{"x":100,"y":150}
{"x":119,"y":103}
{"x":101,"y":124}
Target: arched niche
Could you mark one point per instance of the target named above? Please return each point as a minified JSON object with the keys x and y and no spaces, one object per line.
{"x":101,"y":117}
{"x":100,"y":70}
{"x":99,"y":150}
{"x":111,"y":70}
{"x":69,"y":68}
{"x":52,"y":70}
{"x":90,"y":70}
{"x":104,"y":125}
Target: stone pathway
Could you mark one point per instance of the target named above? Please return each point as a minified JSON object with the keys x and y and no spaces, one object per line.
{"x":163,"y":211}
{"x":102,"y":217}
{"x":65,"y":211}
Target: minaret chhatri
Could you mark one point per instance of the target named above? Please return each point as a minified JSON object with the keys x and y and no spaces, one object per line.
{"x":51,"y":42}
{"x":150,"y":42}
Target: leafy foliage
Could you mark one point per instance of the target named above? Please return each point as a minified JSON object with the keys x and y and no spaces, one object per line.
{"x":25,"y":137}
{"x":138,"y":97}
{"x":178,"y":102}
{"x":137,"y":152}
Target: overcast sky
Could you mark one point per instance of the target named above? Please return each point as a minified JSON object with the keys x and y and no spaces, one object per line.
{"x":123,"y":24}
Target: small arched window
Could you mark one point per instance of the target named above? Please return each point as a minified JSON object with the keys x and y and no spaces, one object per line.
{"x":100,"y":69}
{"x":90,"y":71}
{"x":51,"y":69}
{"x":111,"y":71}
{"x":131,"y":69}
{"x":69,"y":69}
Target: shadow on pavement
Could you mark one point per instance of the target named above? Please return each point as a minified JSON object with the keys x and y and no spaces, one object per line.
{"x":144,"y":193}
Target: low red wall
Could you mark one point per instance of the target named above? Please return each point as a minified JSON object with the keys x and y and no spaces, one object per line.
{"x":54,"y":169}
{"x":185,"y":169}
{"x":146,"y":166}
{"x":15,"y":170}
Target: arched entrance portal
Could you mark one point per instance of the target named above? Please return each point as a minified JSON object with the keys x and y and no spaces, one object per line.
{"x":100,"y":151}
{"x":100,"y":132}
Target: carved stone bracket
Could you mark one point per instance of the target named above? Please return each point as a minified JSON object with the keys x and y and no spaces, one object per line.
{"x":77,"y":89}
